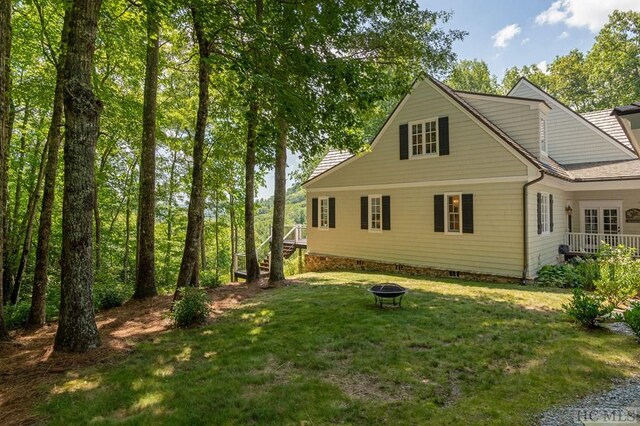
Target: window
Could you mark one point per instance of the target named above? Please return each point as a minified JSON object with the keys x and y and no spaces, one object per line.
{"x":324,"y":212}
{"x":375,"y":213}
{"x":545,"y":216}
{"x":424,"y":138}
{"x":543,"y":136}
{"x":453,"y":213}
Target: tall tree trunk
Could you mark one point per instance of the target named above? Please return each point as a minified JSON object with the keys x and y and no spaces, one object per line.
{"x":145,"y":253}
{"x":253,"y":266}
{"x":127,"y":237}
{"x":234,"y":248}
{"x":28,"y":233}
{"x":167,"y":259}
{"x":98,"y":226}
{"x":196,"y":201}
{"x":5,"y":92}
{"x":37,"y":314}
{"x":77,"y":330}
{"x":203,"y":247}
{"x":276,"y":270}
{"x":217,"y":237}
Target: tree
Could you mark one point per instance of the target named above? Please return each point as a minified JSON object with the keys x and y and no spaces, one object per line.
{"x":530,"y":72}
{"x":77,"y":330}
{"x":472,"y":76}
{"x":145,"y":254}
{"x":5,"y":87}
{"x":196,"y":200}
{"x":568,"y":80}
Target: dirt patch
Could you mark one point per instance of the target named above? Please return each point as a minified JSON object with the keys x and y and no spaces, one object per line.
{"x":29,"y":362}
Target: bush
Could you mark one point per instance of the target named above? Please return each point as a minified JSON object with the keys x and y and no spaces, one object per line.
{"x":619,"y":274}
{"x":16,"y":315}
{"x":588,"y":272}
{"x":632,"y":318}
{"x":108,"y":292}
{"x":191,"y":308}
{"x":208,"y":279}
{"x":587,"y":309}
{"x":563,"y":276}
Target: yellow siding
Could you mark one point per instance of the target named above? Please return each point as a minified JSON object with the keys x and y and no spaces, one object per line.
{"x":495,"y":247}
{"x":473,"y":152}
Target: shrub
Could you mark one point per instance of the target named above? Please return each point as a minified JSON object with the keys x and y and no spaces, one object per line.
{"x":587,"y":271}
{"x":108,"y":292}
{"x":563,"y":276}
{"x":585,"y":308}
{"x":192,"y":307}
{"x":16,"y":315}
{"x":619,"y":274}
{"x":208,"y":279}
{"x":632,"y":318}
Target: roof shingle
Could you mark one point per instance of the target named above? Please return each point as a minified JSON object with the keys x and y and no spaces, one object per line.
{"x":609,"y":124}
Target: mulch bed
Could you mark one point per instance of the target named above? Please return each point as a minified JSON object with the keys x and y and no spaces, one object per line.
{"x":28,"y":363}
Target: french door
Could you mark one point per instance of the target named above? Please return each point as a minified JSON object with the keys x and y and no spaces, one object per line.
{"x":603,"y":221}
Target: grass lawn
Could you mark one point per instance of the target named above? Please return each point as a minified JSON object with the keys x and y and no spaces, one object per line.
{"x":321,"y":353}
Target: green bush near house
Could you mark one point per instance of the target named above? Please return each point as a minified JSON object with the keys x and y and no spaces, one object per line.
{"x":619,"y":274}
{"x":191,"y":308}
{"x":632,"y":318}
{"x":561,"y":276}
{"x":587,"y":309}
{"x":587,"y":270}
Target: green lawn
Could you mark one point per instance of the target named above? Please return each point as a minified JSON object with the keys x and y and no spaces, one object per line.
{"x":321,"y":353}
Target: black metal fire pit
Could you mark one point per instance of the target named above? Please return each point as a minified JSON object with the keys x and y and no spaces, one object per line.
{"x":388,"y":293}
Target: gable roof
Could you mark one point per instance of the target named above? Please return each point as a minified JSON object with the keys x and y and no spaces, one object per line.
{"x":329,"y":161}
{"x":605,"y":170}
{"x":607,"y":122}
{"x":580,"y":118}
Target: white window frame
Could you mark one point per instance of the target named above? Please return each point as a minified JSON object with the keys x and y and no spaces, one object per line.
{"x":544,"y":141}
{"x":446,"y":213}
{"x":545,"y":213}
{"x":370,"y":212}
{"x":424,"y":142}
{"x":321,"y":201}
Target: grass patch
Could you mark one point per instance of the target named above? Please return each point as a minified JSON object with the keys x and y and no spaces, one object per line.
{"x":321,"y":353}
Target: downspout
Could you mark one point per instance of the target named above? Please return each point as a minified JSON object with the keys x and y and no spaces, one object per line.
{"x":525,"y":226}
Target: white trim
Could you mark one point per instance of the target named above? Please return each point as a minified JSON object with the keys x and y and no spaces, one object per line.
{"x":600,"y":205}
{"x":424,"y":141}
{"x":382,"y":131}
{"x":609,"y":185}
{"x":533,"y":103}
{"x":446,"y":213}
{"x":545,"y":210}
{"x":460,"y":182}
{"x":542,"y":123}
{"x":379,"y":230}
{"x":320,"y":200}
{"x":586,"y":123}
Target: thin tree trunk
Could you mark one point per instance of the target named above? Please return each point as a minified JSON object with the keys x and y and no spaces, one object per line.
{"x":127,"y":234}
{"x":196,"y":201}
{"x":276,"y":270}
{"x":217,"y":237}
{"x":145,"y":253}
{"x":167,"y":259}
{"x":203,"y":247}
{"x":5,"y":95}
{"x":234,"y":248}
{"x":37,"y":314}
{"x":28,"y":233}
{"x":77,"y":330}
{"x":98,"y":226}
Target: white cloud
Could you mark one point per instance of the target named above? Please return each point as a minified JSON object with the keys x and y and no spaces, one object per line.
{"x":592,"y":14}
{"x":562,"y":35}
{"x":525,"y":41}
{"x":502,"y":37}
{"x":543,"y":66}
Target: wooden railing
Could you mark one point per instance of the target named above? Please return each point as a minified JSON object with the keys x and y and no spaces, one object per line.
{"x":580,"y":242}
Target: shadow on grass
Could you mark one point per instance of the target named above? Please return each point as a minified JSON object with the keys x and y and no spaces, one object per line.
{"x":323,"y":353}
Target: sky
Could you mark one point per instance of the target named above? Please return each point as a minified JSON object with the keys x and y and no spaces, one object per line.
{"x":507,"y":33}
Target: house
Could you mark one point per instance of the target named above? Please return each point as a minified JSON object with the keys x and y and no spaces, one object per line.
{"x":477,"y":186}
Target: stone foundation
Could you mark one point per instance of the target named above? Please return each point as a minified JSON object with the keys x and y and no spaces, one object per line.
{"x":319,"y":263}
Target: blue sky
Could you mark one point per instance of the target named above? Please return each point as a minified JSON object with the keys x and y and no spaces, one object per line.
{"x":506,"y":33}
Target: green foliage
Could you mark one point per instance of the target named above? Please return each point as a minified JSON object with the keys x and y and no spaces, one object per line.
{"x":472,"y":76}
{"x":16,"y":315}
{"x":632,"y":318}
{"x":108,"y":292}
{"x":619,"y":274}
{"x":209,"y":279}
{"x":588,"y":272}
{"x":561,"y":276}
{"x":192,"y":307}
{"x":586,"y":308}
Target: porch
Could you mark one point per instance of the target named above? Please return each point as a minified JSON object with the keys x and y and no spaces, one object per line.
{"x":581,"y":243}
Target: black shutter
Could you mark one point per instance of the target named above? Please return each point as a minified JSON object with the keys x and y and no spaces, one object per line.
{"x":364,"y":212}
{"x":539,"y":213}
{"x":467,"y":213}
{"x":443,"y":135}
{"x":386,"y":212}
{"x":314,"y":212}
{"x":438,"y":213}
{"x":551,"y":212}
{"x":332,"y":212}
{"x":404,"y":141}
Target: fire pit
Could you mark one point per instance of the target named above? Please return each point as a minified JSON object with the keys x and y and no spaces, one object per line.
{"x":388,"y":293}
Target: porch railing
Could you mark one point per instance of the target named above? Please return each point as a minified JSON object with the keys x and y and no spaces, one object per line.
{"x":584,"y":243}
